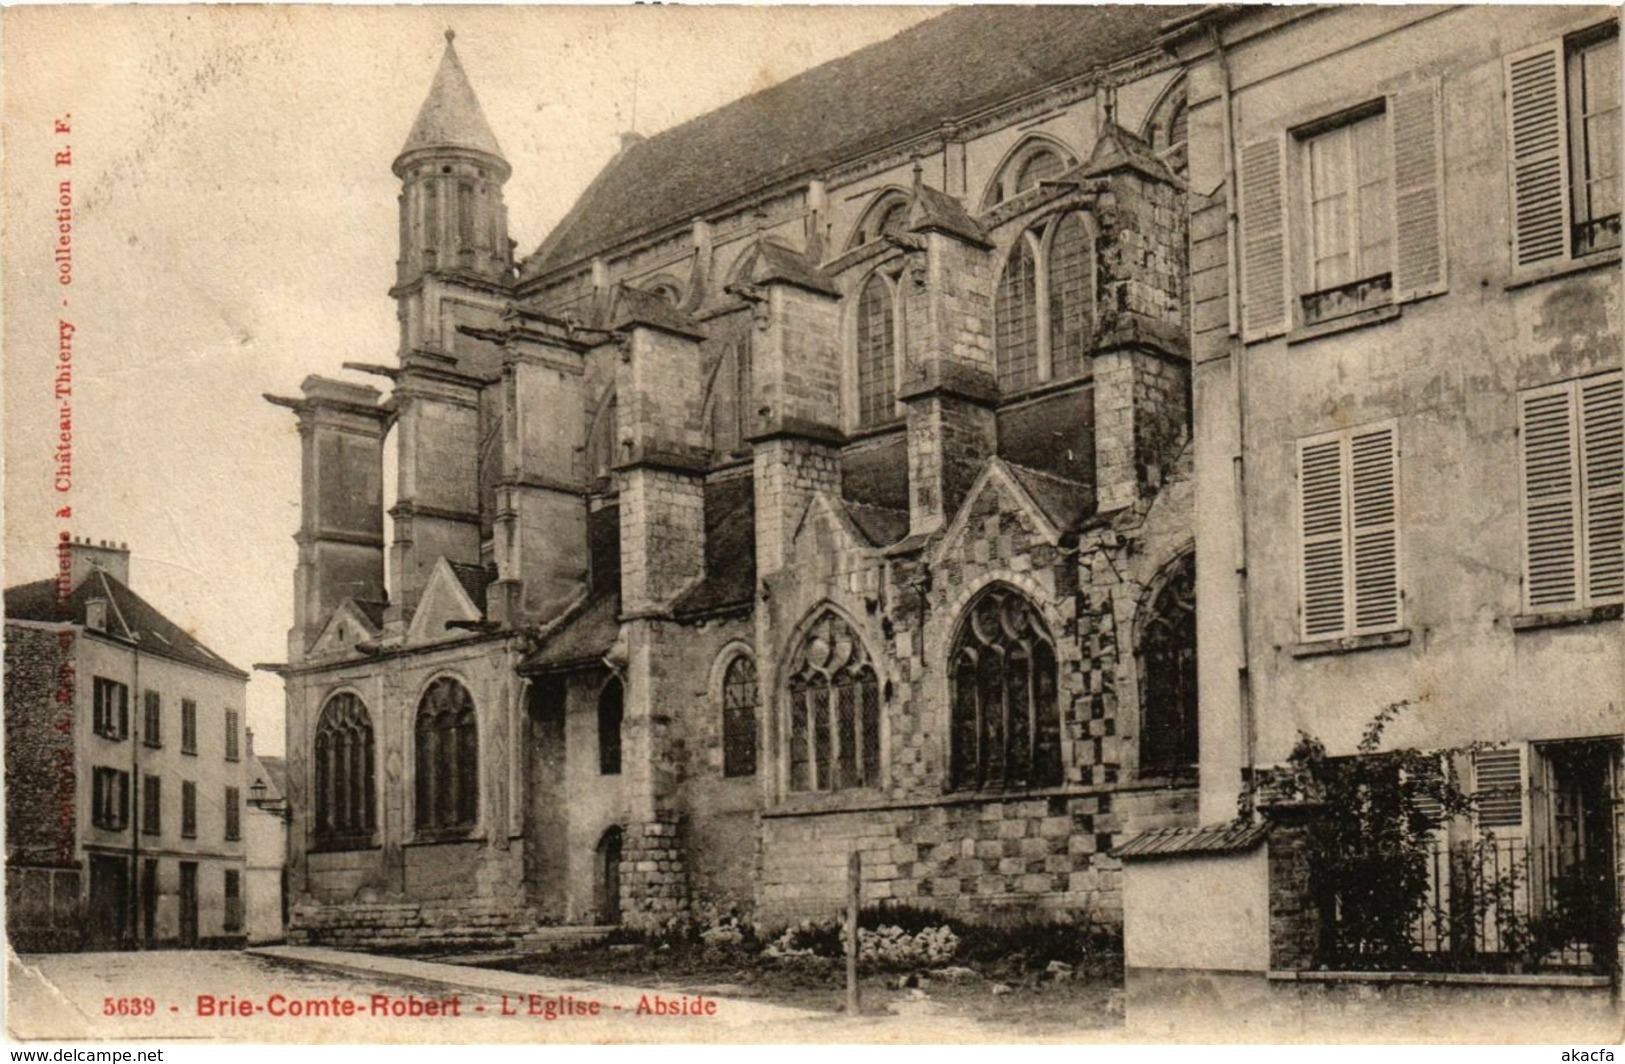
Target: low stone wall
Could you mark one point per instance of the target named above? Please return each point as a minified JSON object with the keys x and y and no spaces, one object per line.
{"x":385,"y":924}
{"x":988,"y":858}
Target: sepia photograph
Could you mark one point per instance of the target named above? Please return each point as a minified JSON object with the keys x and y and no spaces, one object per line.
{"x":980,"y":524}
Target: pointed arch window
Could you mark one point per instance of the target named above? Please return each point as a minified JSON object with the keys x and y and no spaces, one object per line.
{"x":345,"y":788}
{"x":834,"y":705}
{"x":448,"y":758}
{"x":611,"y":714}
{"x":877,"y":353}
{"x":1038,"y":167}
{"x":1044,"y":309}
{"x":727,"y":397}
{"x":1006,"y":726}
{"x":1167,"y":652}
{"x":740,"y":699}
{"x":601,"y":445}
{"x":888,"y":214}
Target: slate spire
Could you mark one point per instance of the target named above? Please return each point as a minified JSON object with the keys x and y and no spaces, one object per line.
{"x":451,"y":116}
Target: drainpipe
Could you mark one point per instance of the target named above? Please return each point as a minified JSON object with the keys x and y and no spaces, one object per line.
{"x":1238,"y":380}
{"x":135,"y":803}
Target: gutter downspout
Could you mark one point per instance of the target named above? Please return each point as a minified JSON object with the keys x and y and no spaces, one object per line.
{"x":1247,"y":725}
{"x":136,"y":930}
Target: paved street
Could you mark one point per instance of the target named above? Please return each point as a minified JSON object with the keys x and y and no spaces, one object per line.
{"x":243,"y":997}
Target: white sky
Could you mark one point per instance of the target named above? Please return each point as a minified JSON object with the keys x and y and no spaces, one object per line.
{"x":235,"y":228}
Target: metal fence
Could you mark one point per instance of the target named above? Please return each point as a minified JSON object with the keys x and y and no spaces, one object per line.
{"x":1491,"y":904}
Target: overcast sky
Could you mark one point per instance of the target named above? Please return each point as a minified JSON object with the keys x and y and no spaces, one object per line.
{"x":234,"y":229}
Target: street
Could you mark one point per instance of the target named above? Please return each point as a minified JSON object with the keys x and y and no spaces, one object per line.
{"x":175,"y":996}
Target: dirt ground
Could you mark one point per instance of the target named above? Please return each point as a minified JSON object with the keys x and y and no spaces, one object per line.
{"x":1006,"y":993}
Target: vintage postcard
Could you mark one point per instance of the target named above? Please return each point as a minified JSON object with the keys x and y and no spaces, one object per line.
{"x":770,"y":524}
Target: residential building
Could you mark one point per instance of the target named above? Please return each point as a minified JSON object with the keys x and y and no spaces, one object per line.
{"x":821,"y":484}
{"x":265,"y":849}
{"x":1406,"y":357}
{"x":124,"y":770}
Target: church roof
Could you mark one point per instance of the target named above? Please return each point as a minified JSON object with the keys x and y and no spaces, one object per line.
{"x":582,"y":640}
{"x":128,"y":616}
{"x":946,"y":68}
{"x":451,"y":116}
{"x":1063,"y":500}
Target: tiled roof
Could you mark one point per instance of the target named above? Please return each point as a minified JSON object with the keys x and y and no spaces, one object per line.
{"x":730,"y":549}
{"x":583,"y":639}
{"x":475,"y":579}
{"x":1178,"y":842}
{"x":372,"y":611}
{"x":946,"y":68}
{"x":128,"y":614}
{"x":1063,"y":501}
{"x":880,"y":525}
{"x":275,"y":770}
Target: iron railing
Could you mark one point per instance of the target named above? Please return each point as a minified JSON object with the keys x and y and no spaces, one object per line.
{"x":1490,"y":904}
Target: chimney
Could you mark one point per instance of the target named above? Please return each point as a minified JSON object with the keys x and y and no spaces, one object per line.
{"x":112,"y":558}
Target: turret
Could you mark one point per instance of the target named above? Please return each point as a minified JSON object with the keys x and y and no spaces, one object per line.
{"x":453,"y":220}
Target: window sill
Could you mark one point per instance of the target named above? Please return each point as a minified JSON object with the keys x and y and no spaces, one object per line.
{"x":1537,"y":274}
{"x":189,"y":753}
{"x":444,"y":837}
{"x":351,"y":845}
{"x":1526,"y":622}
{"x":1358,"y":320}
{"x":1351,"y":644}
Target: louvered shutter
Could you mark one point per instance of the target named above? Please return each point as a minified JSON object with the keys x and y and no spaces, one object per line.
{"x":1538,"y":156}
{"x":1374,"y":528}
{"x":1602,"y":426}
{"x":1551,"y":518}
{"x":1498,"y":786}
{"x":1416,"y":124}
{"x":1263,"y":240}
{"x":1323,"y":561}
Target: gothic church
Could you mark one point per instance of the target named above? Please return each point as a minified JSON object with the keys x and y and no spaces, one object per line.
{"x":821,"y":483}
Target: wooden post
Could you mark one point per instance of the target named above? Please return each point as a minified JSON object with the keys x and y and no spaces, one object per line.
{"x":854,"y":897}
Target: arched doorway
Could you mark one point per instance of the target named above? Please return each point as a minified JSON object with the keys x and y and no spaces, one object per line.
{"x":607,"y":888}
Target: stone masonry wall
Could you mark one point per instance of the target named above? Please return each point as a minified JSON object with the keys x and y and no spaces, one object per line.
{"x":654,"y":878}
{"x":41,"y":776}
{"x":989,"y":858}
{"x":662,"y":536}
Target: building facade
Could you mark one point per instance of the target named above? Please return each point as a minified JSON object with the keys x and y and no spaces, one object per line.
{"x":1406,"y":359}
{"x":821,"y":484}
{"x":124,"y":768}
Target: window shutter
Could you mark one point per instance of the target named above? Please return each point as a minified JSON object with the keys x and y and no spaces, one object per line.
{"x":1373,"y":517}
{"x":1415,"y":122}
{"x":1263,"y":240}
{"x":1551,"y":550}
{"x":1602,"y":432}
{"x":1498,"y":784}
{"x":1320,"y":484}
{"x":123,"y":711}
{"x":1539,"y":156}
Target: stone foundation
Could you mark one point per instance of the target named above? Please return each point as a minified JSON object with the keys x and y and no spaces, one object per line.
{"x":396,"y":924}
{"x":654,"y":877}
{"x":985,"y":858}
